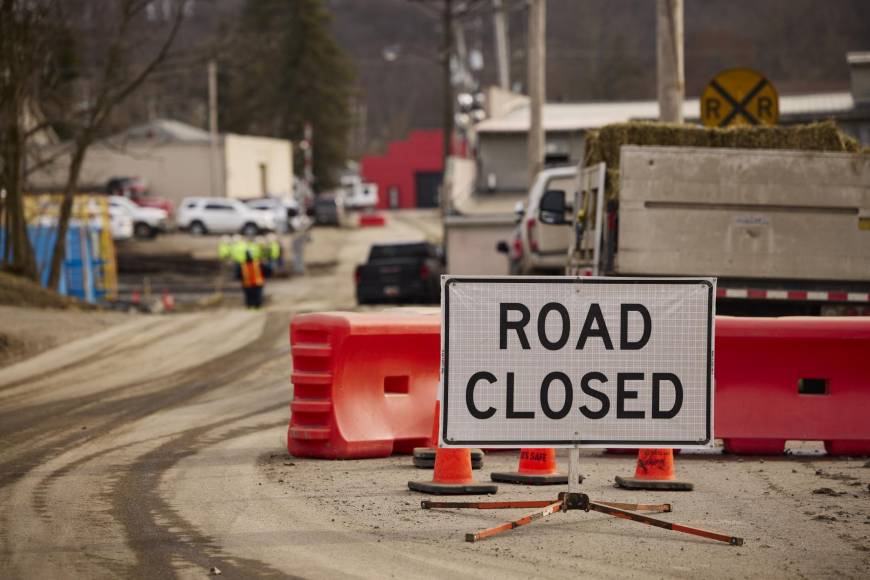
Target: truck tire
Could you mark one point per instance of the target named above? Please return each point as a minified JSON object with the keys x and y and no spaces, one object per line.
{"x":143,"y":230}
{"x":250,"y":229}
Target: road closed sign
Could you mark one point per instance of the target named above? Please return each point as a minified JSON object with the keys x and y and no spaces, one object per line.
{"x":576,"y":362}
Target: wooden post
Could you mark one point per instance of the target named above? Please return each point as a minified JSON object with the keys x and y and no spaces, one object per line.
{"x":537,"y":79}
{"x":669,"y":60}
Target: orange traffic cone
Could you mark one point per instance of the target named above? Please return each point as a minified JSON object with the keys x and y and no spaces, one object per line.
{"x":168,"y":300}
{"x":452,"y":475}
{"x":655,"y":470}
{"x":136,"y":298}
{"x":537,"y":467}
{"x":424,"y":457}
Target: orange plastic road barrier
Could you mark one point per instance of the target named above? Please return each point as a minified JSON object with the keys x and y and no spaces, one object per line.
{"x":536,"y":467}
{"x":793,"y":378}
{"x":452,"y":475}
{"x":372,"y":219}
{"x":364,"y":384}
{"x":424,"y":457}
{"x":655,"y":470}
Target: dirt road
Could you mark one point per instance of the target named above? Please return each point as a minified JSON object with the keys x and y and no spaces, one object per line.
{"x":156,"y":448}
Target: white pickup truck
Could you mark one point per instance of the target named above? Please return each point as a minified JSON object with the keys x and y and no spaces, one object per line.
{"x":544,"y":230}
{"x":147,"y":221}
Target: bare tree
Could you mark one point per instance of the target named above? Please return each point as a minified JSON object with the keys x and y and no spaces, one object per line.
{"x":121,"y":70}
{"x":25,"y":35}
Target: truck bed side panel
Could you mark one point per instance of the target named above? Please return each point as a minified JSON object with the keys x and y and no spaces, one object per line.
{"x":744,"y":213}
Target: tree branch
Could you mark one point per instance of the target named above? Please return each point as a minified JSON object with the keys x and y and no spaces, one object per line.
{"x":161,"y":56}
{"x":43,"y":162}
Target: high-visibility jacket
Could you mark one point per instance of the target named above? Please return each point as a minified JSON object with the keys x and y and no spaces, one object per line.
{"x":256,"y":250}
{"x":224,"y":251}
{"x":274,"y":250}
{"x":252,"y":274}
{"x":238,"y":251}
{"x":241,"y":249}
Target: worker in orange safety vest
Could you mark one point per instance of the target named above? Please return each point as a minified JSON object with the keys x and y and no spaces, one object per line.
{"x":252,"y":281}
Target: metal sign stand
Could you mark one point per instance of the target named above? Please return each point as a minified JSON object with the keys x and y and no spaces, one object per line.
{"x":574,"y":470}
{"x":574,"y":500}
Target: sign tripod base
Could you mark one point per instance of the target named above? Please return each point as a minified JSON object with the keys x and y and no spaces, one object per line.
{"x":567,"y":501}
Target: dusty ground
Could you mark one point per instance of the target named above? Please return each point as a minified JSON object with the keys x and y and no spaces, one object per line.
{"x":33,"y":319}
{"x":156,"y":448}
{"x":27,"y":331}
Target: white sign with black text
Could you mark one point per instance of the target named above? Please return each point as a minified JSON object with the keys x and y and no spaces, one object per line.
{"x":576,"y":362}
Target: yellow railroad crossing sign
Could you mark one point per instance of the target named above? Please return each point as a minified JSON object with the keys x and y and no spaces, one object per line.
{"x":739,"y":96}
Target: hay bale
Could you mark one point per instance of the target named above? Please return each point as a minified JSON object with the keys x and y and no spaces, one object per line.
{"x":604,"y":144}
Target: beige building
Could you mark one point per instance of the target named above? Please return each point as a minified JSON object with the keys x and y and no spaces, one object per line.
{"x":475,"y":224}
{"x":177,"y":161}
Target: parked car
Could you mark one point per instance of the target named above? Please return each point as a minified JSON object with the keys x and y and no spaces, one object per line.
{"x":286,"y":210}
{"x":136,"y":190}
{"x":400,"y":272}
{"x":121,"y":224}
{"x":273,"y":207}
{"x":147,"y":221}
{"x":328,"y":209}
{"x":218,"y":215}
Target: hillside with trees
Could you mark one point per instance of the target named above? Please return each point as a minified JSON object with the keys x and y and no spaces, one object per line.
{"x":283,"y":69}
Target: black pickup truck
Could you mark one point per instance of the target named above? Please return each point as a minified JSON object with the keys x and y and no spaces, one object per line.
{"x":406,"y":272}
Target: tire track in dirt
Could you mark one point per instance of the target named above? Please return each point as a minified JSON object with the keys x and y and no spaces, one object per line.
{"x":57,"y":436}
{"x":59,"y":432}
{"x":177,"y":388}
{"x":119,"y":348}
{"x":159,"y":536}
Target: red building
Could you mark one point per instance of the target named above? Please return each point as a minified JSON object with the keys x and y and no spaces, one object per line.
{"x":410,"y":173}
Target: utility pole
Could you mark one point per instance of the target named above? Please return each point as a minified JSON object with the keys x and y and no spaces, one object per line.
{"x":446,"y":52}
{"x":214,"y":161}
{"x":501,"y":44}
{"x":537,"y":78}
{"x":669,"y":60}
{"x":463,"y":75}
{"x":308,"y":135}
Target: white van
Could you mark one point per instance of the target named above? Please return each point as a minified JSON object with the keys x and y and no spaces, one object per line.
{"x":545,"y":226}
{"x":357,"y":193}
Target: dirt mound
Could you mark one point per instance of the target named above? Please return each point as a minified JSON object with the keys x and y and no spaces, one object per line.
{"x":11,"y":349}
{"x":17,"y":291}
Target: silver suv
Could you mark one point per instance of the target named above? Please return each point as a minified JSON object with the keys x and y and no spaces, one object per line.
{"x":219,"y":215}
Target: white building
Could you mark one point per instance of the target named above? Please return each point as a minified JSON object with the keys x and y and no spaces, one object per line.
{"x":178,"y":160}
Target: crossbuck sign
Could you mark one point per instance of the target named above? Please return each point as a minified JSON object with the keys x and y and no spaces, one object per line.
{"x":576,"y":362}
